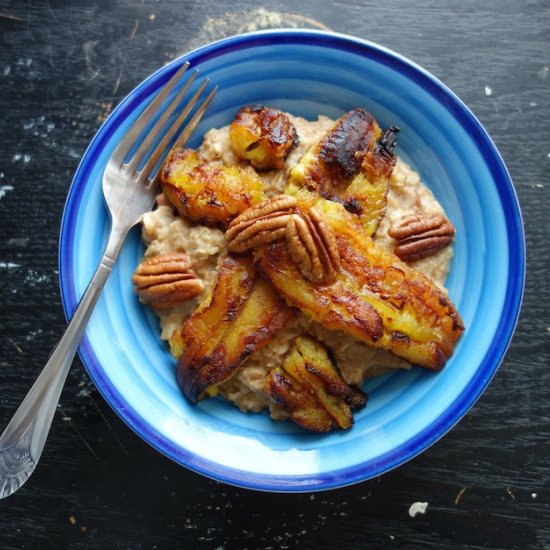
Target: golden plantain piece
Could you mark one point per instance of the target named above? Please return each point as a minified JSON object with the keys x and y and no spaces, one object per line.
{"x":241,"y":314}
{"x":262,"y":135}
{"x":351,"y":164}
{"x":206,"y":192}
{"x":310,"y":387}
{"x":375,"y":297}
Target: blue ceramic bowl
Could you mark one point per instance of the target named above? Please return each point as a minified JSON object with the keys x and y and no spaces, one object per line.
{"x":308,"y":73}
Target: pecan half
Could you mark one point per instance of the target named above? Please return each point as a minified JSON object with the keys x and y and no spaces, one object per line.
{"x":164,"y":282}
{"x":312,"y":245}
{"x":260,"y":224}
{"x":421,"y":235}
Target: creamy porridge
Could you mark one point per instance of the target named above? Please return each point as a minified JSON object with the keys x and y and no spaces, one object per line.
{"x":165,"y":232}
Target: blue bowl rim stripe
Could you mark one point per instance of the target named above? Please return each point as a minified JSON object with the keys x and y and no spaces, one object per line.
{"x":497,"y":348}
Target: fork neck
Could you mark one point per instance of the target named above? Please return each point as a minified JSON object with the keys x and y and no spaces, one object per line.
{"x":115,"y":241}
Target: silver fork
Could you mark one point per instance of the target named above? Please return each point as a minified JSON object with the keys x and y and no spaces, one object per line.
{"x":129,"y":187}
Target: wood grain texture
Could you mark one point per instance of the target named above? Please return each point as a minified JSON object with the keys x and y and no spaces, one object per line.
{"x":63,"y":66}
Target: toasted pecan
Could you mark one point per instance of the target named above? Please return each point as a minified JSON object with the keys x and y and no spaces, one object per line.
{"x":419,"y":236}
{"x":260,"y":224}
{"x":312,"y":245}
{"x":163,"y":282}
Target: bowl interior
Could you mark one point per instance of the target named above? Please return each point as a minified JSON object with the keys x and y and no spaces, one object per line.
{"x":308,"y":73}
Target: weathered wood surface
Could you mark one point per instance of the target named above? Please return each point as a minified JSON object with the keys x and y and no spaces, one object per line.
{"x":63,"y":65}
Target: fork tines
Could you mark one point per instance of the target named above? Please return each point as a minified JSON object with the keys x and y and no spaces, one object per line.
{"x":151,"y":136}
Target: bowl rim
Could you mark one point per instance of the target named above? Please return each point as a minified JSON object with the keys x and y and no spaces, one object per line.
{"x":496,"y":350}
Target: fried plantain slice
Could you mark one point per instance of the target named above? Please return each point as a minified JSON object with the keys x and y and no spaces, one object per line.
{"x":206,"y":192}
{"x":375,"y":297}
{"x":351,"y":164}
{"x":242,"y":313}
{"x":310,"y":387}
{"x":263,"y":135}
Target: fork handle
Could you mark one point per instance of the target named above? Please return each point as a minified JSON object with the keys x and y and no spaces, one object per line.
{"x":23,"y":440}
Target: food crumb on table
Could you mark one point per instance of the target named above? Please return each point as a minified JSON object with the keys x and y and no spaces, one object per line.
{"x":417,"y":508}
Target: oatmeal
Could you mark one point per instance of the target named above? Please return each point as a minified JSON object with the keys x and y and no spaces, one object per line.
{"x":165,"y":232}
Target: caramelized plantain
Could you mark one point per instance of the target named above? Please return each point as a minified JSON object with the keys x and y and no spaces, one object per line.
{"x":376,"y":297}
{"x":206,"y":192}
{"x":351,"y":164}
{"x":242,"y":313}
{"x":312,"y":390}
{"x":264,"y":136}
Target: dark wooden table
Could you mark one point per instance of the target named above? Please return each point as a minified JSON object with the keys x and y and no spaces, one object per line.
{"x":63,"y":66}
